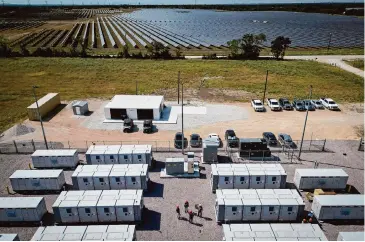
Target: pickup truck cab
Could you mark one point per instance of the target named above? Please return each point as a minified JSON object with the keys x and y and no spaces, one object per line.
{"x":273,"y":104}
{"x":285,"y":104}
{"x":231,"y":138}
{"x":257,"y":105}
{"x":329,"y":104}
{"x":178,"y":141}
{"x":216,"y":137}
{"x":195,"y":140}
{"x":309,"y":106}
{"x":298,"y":105}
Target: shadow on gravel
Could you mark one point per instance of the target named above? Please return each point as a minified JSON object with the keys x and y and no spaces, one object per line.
{"x":151,"y":220}
{"x":345,"y":222}
{"x":157,"y":166}
{"x":54,"y":112}
{"x":203,"y":176}
{"x":154,"y":190}
{"x":194,"y":223}
{"x":47,"y":220}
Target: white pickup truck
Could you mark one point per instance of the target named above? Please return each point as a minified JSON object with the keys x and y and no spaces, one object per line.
{"x":329,"y":103}
{"x":273,"y":104}
{"x":257,"y":105}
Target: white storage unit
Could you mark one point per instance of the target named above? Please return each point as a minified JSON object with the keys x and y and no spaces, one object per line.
{"x":125,"y":154}
{"x":105,"y":177}
{"x":272,"y":232}
{"x":22,"y":209}
{"x":320,"y":179}
{"x":98,"y":206}
{"x":336,"y":207}
{"x":111,"y":154}
{"x":243,"y":176}
{"x":259,"y":204}
{"x":9,"y":237}
{"x":86,"y":233}
{"x":37,"y":180}
{"x":55,"y":159}
{"x":351,"y":236}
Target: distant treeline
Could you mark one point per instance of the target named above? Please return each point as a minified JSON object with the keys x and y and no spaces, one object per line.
{"x":327,"y":8}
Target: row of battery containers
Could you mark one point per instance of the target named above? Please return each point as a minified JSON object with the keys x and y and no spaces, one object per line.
{"x":273,"y":232}
{"x":258,"y":205}
{"x":119,"y":154}
{"x":87,"y":233}
{"x":338,"y":207}
{"x":55,"y":159}
{"x":320,"y":179}
{"x":245,"y":176}
{"x":110,"y":177}
{"x":37,"y":180}
{"x":22,"y":209}
{"x":98,"y":206}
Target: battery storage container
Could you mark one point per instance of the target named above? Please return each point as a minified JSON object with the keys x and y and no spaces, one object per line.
{"x":54,"y":159}
{"x":22,"y":209}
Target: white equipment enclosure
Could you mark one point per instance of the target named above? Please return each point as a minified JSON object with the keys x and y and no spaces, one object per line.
{"x":106,"y":177}
{"x":86,"y":233}
{"x":351,"y":236}
{"x":55,"y":159}
{"x":336,"y":207}
{"x":320,"y":179}
{"x":272,"y":232}
{"x":98,"y":206}
{"x":37,"y":180}
{"x":22,"y":209}
{"x":119,"y":154}
{"x":258,"y":205}
{"x":244,"y":176}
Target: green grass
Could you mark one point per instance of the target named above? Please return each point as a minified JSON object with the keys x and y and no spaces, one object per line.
{"x":77,"y":78}
{"x":358,"y":63}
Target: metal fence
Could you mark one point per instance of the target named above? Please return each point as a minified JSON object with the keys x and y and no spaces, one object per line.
{"x":29,"y":146}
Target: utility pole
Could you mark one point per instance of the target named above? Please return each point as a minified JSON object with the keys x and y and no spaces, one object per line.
{"x":178,"y":87}
{"x":329,"y":43}
{"x":263,"y":99}
{"x":182,"y":117}
{"x":40,"y":117}
{"x":305,"y":123}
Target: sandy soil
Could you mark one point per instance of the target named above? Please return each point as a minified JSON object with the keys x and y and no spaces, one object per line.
{"x":322,"y":124}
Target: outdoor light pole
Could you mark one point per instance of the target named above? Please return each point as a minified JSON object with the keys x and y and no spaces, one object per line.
{"x":39,"y":115}
{"x":178,"y":87}
{"x":182,"y":117}
{"x":305,"y":123}
{"x":263,"y":100}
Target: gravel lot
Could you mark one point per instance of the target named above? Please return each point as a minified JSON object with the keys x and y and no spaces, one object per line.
{"x":160,"y":222}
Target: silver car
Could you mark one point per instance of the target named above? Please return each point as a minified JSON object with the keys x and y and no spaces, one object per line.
{"x":317,"y":104}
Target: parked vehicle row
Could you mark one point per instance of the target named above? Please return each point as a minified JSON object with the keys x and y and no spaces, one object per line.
{"x":128,"y":126}
{"x":284,"y":139}
{"x":297,"y":104}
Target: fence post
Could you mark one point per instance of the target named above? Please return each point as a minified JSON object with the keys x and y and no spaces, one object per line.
{"x":69,"y":146}
{"x":249,"y":154}
{"x":16,"y":148}
{"x":33,"y":145}
{"x":156,"y":145}
{"x":169,"y":146}
{"x":324,"y":144}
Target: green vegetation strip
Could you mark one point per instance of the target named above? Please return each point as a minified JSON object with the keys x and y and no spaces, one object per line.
{"x":358,"y":63}
{"x":77,"y":78}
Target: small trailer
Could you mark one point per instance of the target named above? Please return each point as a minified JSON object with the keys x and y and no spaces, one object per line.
{"x":22,"y":209}
{"x":320,"y":179}
{"x":338,"y":207}
{"x":37,"y":180}
{"x":55,"y":159}
{"x":9,"y":237}
{"x":86,"y":233}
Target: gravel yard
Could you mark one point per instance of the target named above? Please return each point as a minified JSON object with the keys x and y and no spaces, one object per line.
{"x":160,"y":221}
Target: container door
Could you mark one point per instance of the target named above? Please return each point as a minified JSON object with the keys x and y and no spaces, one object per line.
{"x":88,"y":214}
{"x":125,"y":213}
{"x":78,"y":110}
{"x":117,"y":183}
{"x":233,"y":213}
{"x":69,"y":215}
{"x":54,"y":161}
{"x":106,"y":214}
{"x":22,"y":184}
{"x":101,"y":183}
{"x":241,"y":182}
{"x":85,"y":183}
{"x":133,"y":182}
{"x":225,"y":182}
{"x":272,"y":182}
{"x":13,"y":214}
{"x":257,"y":182}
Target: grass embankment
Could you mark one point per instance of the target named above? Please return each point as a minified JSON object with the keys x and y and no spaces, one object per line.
{"x":76,"y":78}
{"x":358,"y":63}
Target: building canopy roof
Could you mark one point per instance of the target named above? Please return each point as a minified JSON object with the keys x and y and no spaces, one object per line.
{"x":135,"y":101}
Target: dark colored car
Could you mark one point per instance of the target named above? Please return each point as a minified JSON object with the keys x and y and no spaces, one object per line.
{"x":231,"y":138}
{"x":269,"y":138}
{"x":128,"y":125}
{"x":298,"y":105}
{"x":178,"y":141}
{"x":285,"y":104}
{"x":309,"y":105}
{"x":147,"y":126}
{"x":286,"y":141}
{"x":195,"y":140}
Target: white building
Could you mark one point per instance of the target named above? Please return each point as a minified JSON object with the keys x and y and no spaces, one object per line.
{"x":136,"y":107}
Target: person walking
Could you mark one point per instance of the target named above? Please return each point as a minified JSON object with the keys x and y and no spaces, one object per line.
{"x":178,"y":211}
{"x":200,"y":210}
{"x":186,"y":206}
{"x":191,"y":216}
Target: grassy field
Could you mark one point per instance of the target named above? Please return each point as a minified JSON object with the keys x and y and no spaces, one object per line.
{"x":85,"y":78}
{"x":358,"y":63}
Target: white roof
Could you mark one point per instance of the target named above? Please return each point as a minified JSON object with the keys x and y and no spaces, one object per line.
{"x":340,"y":200}
{"x":36,"y":174}
{"x":270,"y":202}
{"x":87,"y":203}
{"x":321,"y":172}
{"x":106,"y":202}
{"x":20,"y":202}
{"x":65,"y":152}
{"x":43,"y":100}
{"x":8,"y":237}
{"x":288,"y":202}
{"x":352,"y":236}
{"x":135,"y":101}
{"x":256,"y":101}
